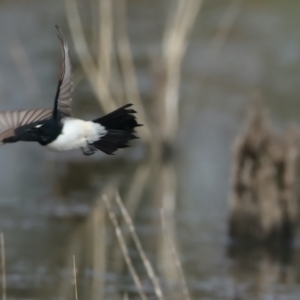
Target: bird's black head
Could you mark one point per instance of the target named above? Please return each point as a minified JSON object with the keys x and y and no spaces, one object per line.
{"x":46,"y":131}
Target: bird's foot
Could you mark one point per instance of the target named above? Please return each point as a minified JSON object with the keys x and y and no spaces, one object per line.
{"x":89,"y":151}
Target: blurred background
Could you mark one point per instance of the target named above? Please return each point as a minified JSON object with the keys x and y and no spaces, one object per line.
{"x":191,"y":68}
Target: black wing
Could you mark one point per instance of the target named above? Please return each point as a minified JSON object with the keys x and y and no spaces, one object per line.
{"x":63,"y":98}
{"x":11,"y":121}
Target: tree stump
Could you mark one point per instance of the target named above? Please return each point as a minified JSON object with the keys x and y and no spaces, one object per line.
{"x":263,"y":202}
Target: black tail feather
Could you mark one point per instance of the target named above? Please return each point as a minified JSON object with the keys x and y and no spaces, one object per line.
{"x":120,"y":126}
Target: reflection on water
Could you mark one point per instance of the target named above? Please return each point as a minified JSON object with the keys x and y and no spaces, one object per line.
{"x":51,"y":205}
{"x":262,"y":270}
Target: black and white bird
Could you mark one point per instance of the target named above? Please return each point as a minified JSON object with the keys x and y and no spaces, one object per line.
{"x":57,"y":130}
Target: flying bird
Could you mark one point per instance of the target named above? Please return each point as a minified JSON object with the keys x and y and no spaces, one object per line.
{"x":56,"y":129}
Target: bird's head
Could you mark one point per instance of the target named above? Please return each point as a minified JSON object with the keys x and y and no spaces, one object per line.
{"x":45,"y":131}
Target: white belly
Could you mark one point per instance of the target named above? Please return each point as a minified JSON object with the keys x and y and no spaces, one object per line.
{"x":76,"y":133}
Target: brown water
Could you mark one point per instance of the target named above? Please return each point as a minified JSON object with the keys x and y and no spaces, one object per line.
{"x":51,"y":207}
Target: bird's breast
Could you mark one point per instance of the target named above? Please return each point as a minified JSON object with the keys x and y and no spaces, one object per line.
{"x":75,"y":134}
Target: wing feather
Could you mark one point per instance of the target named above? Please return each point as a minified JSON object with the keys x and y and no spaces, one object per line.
{"x":63,"y":100}
{"x":11,"y":120}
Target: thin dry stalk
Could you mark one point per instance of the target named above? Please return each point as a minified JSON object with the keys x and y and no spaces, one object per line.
{"x":88,"y":65}
{"x":3,"y":263}
{"x":137,"y":186}
{"x":175,"y":42}
{"x":94,"y":22}
{"x":169,"y":185}
{"x":74,"y":277}
{"x":225,"y":26}
{"x":105,"y":38}
{"x":140,"y":248}
{"x":218,"y":41}
{"x":98,"y":224}
{"x":125,"y":297}
{"x":124,"y":248}
{"x":127,"y":66}
{"x":184,"y":289}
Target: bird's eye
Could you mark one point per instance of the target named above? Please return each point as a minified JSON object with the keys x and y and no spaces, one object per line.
{"x":38,"y":126}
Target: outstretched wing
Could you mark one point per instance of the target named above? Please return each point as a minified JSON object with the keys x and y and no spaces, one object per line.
{"x":12,"y":121}
{"x":63,"y":98}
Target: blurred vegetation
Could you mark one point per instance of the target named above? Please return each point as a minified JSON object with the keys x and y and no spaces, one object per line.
{"x":152,"y":222}
{"x":110,"y":67}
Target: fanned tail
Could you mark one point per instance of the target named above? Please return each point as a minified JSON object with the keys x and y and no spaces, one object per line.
{"x":120,"y":126}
